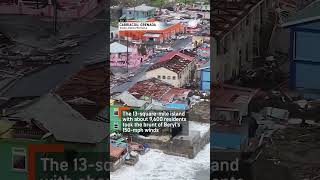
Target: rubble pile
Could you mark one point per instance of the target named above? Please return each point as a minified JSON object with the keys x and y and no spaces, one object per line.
{"x":18,"y":59}
{"x":266,"y":73}
{"x":116,"y":80}
{"x":298,"y":149}
{"x":24,"y":55}
{"x":199,"y":103}
{"x":288,"y":132}
{"x":297,"y":106}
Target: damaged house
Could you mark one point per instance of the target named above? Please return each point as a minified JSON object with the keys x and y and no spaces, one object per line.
{"x":76,"y":119}
{"x":229,"y":125}
{"x":238,"y":28}
{"x":175,"y":68}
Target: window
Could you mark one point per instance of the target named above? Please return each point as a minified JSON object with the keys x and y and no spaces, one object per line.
{"x":247,"y":20}
{"x":116,"y":112}
{"x":159,"y":77}
{"x":19,"y":161}
{"x":163,"y":77}
{"x":173,"y":78}
{"x":119,"y":55}
{"x":168,"y":77}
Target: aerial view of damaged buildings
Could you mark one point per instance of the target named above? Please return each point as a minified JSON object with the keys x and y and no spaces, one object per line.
{"x":163,"y":69}
{"x":262,"y":64}
{"x":262,"y":72}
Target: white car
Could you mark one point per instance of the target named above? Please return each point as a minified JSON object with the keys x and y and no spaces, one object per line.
{"x":136,"y":42}
{"x":164,"y":48}
{"x":173,"y":37}
{"x":131,"y":75}
{"x":182,"y":37}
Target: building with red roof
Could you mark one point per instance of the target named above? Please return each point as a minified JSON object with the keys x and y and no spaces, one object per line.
{"x":158,"y":90}
{"x":175,"y":68}
{"x":159,"y":35}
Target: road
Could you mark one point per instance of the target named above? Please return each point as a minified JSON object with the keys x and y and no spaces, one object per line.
{"x":43,"y":81}
{"x":178,"y":44}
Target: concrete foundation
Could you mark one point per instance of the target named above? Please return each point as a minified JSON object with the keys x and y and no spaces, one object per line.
{"x":180,"y":145}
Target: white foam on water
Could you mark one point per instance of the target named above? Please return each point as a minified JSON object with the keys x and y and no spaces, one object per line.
{"x":198,"y":126}
{"x":155,"y":165}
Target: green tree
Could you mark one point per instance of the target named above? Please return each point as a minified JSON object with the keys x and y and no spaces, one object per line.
{"x":142,"y":50}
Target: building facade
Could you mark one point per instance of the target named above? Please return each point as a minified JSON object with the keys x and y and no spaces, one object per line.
{"x":304,"y":51}
{"x":159,"y":36}
{"x":119,"y":53}
{"x":139,"y":12}
{"x":236,"y":38}
{"x":205,"y":77}
{"x":175,"y":71}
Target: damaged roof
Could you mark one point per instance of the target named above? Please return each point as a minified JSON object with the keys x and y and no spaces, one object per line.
{"x":130,"y":100}
{"x":227,"y":14}
{"x":87,"y":90}
{"x":175,"y":64}
{"x":157,"y":89}
{"x":308,"y":14}
{"x":171,"y":54}
{"x":235,"y":97}
{"x":116,"y":151}
{"x":60,"y":119}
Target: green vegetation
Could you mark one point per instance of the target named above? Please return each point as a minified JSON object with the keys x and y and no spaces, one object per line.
{"x":114,"y":22}
{"x":186,"y":1}
{"x":142,"y":50}
{"x":157,"y":3}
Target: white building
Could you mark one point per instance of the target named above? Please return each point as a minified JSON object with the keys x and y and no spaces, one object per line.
{"x":175,"y":70}
{"x":114,"y":33}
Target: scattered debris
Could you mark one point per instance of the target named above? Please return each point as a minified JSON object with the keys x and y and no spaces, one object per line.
{"x":18,"y":60}
{"x":265,"y":74}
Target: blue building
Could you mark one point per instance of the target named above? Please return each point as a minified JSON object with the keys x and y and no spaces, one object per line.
{"x":236,"y":140}
{"x":229,"y":131}
{"x":139,"y":12}
{"x":205,"y":77}
{"x":305,"y":50}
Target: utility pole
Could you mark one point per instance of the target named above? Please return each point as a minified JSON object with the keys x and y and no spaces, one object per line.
{"x":128,"y":53}
{"x":134,"y":10}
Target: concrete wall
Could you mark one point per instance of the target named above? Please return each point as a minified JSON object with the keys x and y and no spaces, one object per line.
{"x":179,"y":147}
{"x":163,"y":72}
